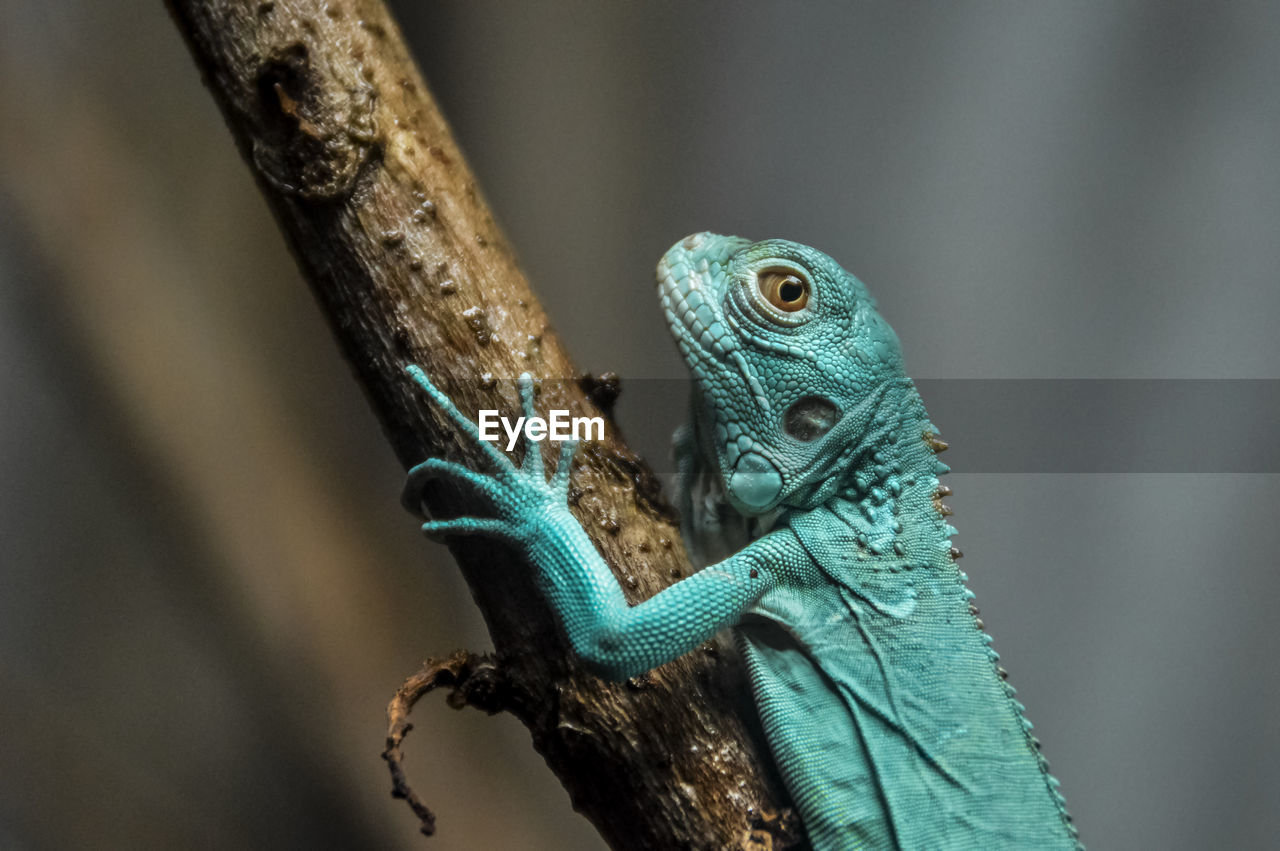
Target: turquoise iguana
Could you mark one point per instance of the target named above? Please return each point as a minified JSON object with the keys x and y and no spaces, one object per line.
{"x":810,"y":459}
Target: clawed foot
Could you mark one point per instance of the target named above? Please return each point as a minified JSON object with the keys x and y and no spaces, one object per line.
{"x":520,"y":499}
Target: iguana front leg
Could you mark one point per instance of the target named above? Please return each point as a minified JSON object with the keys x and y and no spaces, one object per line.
{"x":532,"y":514}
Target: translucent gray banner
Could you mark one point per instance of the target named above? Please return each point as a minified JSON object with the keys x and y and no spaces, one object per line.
{"x":1050,"y":425}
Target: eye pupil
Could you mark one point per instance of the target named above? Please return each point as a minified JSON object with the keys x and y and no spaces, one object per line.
{"x":791,"y":291}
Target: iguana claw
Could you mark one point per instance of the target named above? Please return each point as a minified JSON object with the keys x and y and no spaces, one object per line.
{"x":518,"y":497}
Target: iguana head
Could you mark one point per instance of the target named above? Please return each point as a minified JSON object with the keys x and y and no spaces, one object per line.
{"x":791,"y":365}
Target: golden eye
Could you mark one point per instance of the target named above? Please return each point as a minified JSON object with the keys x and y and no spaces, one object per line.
{"x":784,"y":290}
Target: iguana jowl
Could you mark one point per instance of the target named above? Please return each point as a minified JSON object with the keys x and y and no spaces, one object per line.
{"x":809,"y":457}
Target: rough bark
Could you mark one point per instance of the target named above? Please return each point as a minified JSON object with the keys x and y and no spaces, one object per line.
{"x":386,"y":222}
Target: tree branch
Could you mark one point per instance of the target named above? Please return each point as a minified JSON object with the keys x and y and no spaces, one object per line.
{"x":387,"y":225}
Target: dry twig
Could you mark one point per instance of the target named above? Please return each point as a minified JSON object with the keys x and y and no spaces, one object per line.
{"x":387,"y":225}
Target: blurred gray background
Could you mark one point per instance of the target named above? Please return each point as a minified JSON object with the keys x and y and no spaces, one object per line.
{"x":208,"y":591}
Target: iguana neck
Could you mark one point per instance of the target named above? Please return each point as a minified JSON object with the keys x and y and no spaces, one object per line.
{"x":888,"y":490}
{"x":894,"y":499}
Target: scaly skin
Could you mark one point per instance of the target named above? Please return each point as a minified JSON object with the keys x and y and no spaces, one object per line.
{"x":810,"y":458}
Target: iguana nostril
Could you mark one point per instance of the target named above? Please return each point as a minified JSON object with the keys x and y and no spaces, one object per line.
{"x":755,"y":483}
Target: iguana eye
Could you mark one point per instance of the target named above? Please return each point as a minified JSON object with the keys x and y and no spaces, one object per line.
{"x":783,"y":290}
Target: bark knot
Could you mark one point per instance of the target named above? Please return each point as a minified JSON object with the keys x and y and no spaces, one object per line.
{"x":316,"y":128}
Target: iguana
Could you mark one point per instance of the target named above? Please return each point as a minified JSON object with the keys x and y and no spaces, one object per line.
{"x":810,"y":458}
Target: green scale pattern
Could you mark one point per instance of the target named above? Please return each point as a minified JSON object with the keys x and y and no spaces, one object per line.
{"x":808,"y":476}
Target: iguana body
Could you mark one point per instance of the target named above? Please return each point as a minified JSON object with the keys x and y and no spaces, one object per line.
{"x":810,"y":453}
